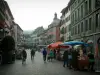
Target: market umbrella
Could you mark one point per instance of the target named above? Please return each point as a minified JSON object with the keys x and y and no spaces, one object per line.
{"x":72,"y":43}
{"x":65,"y":46}
{"x":54,"y":45}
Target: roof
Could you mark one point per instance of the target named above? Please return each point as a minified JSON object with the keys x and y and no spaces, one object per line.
{"x":55,"y":21}
{"x":9,"y":11}
{"x":66,"y":8}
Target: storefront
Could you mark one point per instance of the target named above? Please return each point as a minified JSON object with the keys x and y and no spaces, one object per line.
{"x":97,"y":54}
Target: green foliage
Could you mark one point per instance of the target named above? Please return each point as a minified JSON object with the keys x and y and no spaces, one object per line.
{"x":62,"y":30}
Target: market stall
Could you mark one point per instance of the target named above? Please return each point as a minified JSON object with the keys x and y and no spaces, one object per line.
{"x":82,"y":57}
{"x":59,"y":49}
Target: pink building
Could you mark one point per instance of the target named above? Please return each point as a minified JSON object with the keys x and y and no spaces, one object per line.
{"x":53,"y":30}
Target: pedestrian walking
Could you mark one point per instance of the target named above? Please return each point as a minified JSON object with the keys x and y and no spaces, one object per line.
{"x":91,"y":61}
{"x":51,"y":54}
{"x":44,"y":54}
{"x":70,"y":58}
{"x":32,"y":54}
{"x":54,"y":54}
{"x":75,"y":59}
{"x":24,"y":56}
{"x":65,"y":58}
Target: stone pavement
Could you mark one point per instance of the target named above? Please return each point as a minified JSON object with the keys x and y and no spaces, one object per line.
{"x":38,"y":67}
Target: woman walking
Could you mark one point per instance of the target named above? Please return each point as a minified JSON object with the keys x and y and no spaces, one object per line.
{"x":51,"y":54}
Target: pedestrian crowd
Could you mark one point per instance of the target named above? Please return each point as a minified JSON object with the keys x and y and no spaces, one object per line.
{"x":70,"y":57}
{"x":73,"y":59}
{"x":24,"y":55}
{"x":48,"y":55}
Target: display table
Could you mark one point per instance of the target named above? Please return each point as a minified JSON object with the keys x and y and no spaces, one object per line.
{"x":83,"y":62}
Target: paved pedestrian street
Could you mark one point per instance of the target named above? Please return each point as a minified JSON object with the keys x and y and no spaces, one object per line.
{"x":38,"y":67}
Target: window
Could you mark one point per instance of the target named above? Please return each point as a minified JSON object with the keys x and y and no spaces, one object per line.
{"x":78,"y":28}
{"x":78,"y":1}
{"x":86,"y":25}
{"x":78,"y":13}
{"x":97,"y":20}
{"x":72,"y":31}
{"x":90,"y":23}
{"x":82,"y":27}
{"x":97,"y":3}
{"x":90,"y":5}
{"x":86,"y":8}
{"x":75,"y":3}
{"x":65,"y":30}
{"x":75,"y":16}
{"x":75,"y":29}
{"x":68,"y":28}
{"x":72,"y":18}
{"x":82,"y":11}
{"x":69,"y":17}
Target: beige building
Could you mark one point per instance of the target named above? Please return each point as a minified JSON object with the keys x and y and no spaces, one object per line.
{"x":43,"y":38}
{"x":18,"y":35}
{"x":36,"y":40}
{"x":65,"y":24}
{"x":9,"y":20}
{"x":6,"y":19}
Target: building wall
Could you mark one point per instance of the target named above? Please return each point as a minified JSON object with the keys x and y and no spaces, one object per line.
{"x":18,"y":35}
{"x":15,"y":35}
{"x":52,"y":34}
{"x":57,"y":33}
{"x":67,"y":34}
{"x":66,"y":21}
{"x":83,"y":21}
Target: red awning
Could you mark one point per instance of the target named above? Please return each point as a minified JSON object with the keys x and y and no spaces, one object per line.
{"x":54,"y":45}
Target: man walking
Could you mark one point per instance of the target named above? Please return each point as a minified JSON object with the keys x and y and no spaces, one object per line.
{"x":24,"y":56}
{"x":65,"y":58}
{"x":32,"y":54}
{"x":91,"y":61}
{"x":44,"y":54}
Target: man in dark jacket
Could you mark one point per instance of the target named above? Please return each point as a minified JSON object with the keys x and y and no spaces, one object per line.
{"x":32,"y":54}
{"x":65,"y":58}
{"x":75,"y":59}
{"x":44,"y":54}
{"x":91,"y":61}
{"x":24,"y":56}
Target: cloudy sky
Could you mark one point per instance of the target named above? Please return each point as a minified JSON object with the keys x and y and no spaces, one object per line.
{"x":30,"y":14}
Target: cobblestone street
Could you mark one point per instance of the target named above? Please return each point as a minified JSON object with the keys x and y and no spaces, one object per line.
{"x":38,"y":67}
